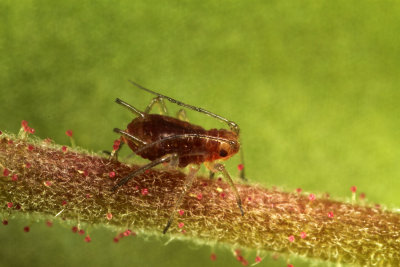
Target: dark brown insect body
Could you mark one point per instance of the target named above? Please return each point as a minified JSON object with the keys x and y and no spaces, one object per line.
{"x":162,"y":139}
{"x":192,"y":143}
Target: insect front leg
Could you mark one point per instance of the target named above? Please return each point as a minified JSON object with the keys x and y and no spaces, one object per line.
{"x":218,"y":167}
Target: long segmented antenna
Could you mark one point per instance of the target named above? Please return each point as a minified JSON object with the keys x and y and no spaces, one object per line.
{"x":234,"y":127}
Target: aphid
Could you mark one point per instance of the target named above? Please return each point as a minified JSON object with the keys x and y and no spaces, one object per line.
{"x":161,"y":138}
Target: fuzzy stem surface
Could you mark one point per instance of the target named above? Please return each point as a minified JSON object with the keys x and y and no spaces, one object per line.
{"x":50,"y":180}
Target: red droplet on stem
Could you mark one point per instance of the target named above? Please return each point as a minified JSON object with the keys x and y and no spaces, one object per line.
{"x":116,"y":144}
{"x":240,"y":167}
{"x":6,"y":172}
{"x":111,"y":174}
{"x":303,"y":235}
{"x":26,"y":229}
{"x":330,"y":214}
{"x":291,"y":238}
{"x":69,"y":133}
{"x":64,"y":148}
{"x":181,"y":212}
{"x":353,"y":188}
{"x":144,"y":191}
{"x":213,"y":257}
{"x":87,"y":239}
{"x":258,"y":259}
{"x":128,"y":232}
{"x":311,"y":197}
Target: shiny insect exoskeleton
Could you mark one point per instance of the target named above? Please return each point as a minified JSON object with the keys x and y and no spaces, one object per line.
{"x":161,"y":138}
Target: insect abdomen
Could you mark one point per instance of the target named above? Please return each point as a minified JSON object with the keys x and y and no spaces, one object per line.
{"x":153,"y":128}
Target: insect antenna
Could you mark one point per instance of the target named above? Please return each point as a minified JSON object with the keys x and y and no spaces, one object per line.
{"x":234,"y":127}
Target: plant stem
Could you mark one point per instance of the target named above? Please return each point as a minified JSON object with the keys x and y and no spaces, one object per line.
{"x":51,"y":180}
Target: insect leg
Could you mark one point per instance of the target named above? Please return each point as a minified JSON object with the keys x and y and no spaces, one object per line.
{"x":128,"y":135}
{"x":211,"y":175}
{"x":241,"y":170}
{"x":166,"y":158}
{"x":187,"y":185}
{"x":182,"y":115}
{"x":160,"y":102}
{"x":131,"y":108}
{"x":221,"y":168}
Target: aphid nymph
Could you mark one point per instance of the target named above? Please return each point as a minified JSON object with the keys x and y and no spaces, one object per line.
{"x":161,"y":138}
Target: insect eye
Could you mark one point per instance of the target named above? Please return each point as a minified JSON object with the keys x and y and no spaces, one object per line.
{"x":223,"y":153}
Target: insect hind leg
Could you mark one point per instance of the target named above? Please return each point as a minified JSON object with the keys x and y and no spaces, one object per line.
{"x":166,"y":158}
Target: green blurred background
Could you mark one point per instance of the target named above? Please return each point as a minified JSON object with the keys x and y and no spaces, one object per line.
{"x":313,"y":85}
